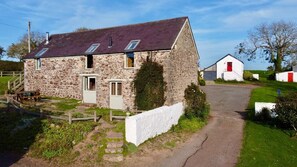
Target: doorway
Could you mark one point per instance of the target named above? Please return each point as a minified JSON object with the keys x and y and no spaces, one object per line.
{"x":89,"y":89}
{"x":116,"y":96}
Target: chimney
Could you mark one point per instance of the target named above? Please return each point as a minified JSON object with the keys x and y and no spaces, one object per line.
{"x":47,"y":38}
{"x":109,"y":42}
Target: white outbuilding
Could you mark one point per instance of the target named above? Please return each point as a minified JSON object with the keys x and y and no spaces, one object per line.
{"x":227,"y":68}
{"x":288,"y":76}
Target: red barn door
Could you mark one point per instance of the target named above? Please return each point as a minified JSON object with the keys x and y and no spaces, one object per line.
{"x":229,"y":66}
{"x":290,"y":77}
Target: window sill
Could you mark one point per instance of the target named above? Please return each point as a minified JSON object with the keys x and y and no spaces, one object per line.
{"x":129,"y":68}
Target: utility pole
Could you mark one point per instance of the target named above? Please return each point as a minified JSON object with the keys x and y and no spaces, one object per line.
{"x":29,"y":37}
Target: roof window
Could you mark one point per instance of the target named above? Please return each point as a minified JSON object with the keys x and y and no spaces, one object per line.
{"x":41,"y":52}
{"x":92,"y":48}
{"x":132,"y":45}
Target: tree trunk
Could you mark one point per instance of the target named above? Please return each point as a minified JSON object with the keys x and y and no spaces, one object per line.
{"x":278,"y":61}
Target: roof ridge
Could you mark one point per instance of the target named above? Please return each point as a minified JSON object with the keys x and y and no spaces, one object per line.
{"x":127,"y":25}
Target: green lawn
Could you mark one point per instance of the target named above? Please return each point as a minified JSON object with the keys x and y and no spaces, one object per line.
{"x":3,"y":84}
{"x":265,"y":145}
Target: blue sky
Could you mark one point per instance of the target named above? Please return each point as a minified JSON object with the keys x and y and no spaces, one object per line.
{"x":218,"y":25}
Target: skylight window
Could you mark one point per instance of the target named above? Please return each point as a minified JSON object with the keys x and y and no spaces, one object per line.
{"x":41,"y":52}
{"x":132,"y":45}
{"x":92,"y":48}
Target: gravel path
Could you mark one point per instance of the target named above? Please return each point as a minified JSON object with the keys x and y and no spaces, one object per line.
{"x":218,"y":143}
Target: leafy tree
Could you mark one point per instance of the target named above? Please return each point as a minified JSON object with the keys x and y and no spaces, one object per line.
{"x":2,"y":51}
{"x":274,"y":42}
{"x":20,"y":49}
{"x":82,"y":29}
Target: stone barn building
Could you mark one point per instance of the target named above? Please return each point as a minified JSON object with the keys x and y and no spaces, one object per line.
{"x":98,"y":66}
{"x":227,"y":68}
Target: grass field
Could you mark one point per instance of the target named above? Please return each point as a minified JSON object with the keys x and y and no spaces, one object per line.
{"x":3,"y":84}
{"x":266,"y":145}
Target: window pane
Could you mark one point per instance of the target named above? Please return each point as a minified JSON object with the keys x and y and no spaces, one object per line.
{"x":92,"y":84}
{"x":130,"y":60}
{"x":38,"y":63}
{"x":119,"y":88}
{"x":92,"y":48}
{"x":113,"y":88}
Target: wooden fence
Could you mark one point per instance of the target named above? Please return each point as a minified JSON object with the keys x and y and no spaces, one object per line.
{"x":69,"y":118}
{"x":10,"y":73}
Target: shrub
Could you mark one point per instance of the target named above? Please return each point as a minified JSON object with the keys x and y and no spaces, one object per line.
{"x":286,"y":110}
{"x":195,"y":102}
{"x":150,"y":86}
{"x":202,"y":82}
{"x":271,"y":76}
{"x":11,"y":66}
{"x":264,"y":115}
{"x":247,"y":75}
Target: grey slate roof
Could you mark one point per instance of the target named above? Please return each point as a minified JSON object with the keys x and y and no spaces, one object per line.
{"x":157,"y":35}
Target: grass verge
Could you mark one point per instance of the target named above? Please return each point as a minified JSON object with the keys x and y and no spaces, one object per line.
{"x":266,"y":145}
{"x":3,"y":84}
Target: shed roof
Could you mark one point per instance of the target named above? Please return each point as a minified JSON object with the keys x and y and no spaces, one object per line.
{"x":157,"y":35}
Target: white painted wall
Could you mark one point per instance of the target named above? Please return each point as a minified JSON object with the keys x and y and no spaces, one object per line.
{"x":237,"y":69}
{"x":256,"y":76}
{"x":283,"y":76}
{"x":260,"y":105}
{"x":151,"y":123}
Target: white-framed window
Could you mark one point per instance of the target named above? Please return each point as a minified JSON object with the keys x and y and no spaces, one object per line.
{"x":38,"y":64}
{"x":90,"y":83}
{"x":89,"y":61}
{"x":116,"y":88}
{"x":129,"y":60}
{"x":92,"y":48}
{"x":132,"y":45}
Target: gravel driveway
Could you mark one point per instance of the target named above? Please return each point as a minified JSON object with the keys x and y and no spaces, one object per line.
{"x":219,"y":142}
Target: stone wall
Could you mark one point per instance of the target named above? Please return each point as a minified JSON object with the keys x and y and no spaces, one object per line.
{"x":182,"y":67}
{"x":62,"y":77}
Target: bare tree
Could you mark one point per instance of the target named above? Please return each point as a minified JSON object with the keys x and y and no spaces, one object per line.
{"x":20,"y":49}
{"x":274,"y":42}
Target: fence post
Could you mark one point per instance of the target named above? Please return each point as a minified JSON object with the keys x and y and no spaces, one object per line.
{"x":41,"y":113}
{"x":1,"y":73}
{"x":13,"y":73}
{"x":70,"y":117}
{"x":95,"y":116}
{"x":8,"y":85}
{"x":110,"y":115}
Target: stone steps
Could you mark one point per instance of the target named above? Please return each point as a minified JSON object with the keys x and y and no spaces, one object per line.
{"x":113,"y":157}
{"x":114,"y":147}
{"x":114,"y":150}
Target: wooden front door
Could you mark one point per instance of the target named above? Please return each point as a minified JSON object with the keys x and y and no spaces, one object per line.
{"x":290,"y":77}
{"x":229,"y":66}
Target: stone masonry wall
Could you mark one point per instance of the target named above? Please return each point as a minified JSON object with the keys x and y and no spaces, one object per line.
{"x":62,"y":77}
{"x":183,"y":66}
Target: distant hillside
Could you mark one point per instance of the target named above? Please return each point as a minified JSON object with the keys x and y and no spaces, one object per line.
{"x":11,"y":66}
